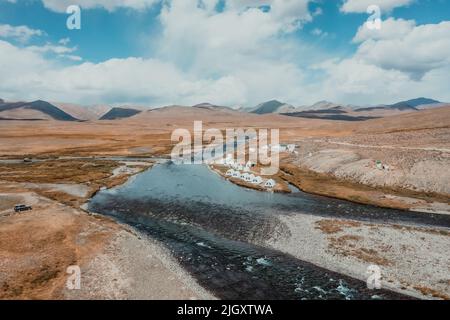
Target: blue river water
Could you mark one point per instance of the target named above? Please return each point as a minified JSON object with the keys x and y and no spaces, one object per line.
{"x":210,"y":226}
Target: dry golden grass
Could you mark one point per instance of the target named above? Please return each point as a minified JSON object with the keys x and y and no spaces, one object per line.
{"x":94,"y":173}
{"x":57,"y":171}
{"x":336,"y":226}
{"x":37,"y":247}
{"x":431,"y":292}
{"x":349,"y":244}
{"x":330,"y":186}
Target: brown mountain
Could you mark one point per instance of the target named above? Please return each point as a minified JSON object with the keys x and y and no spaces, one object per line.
{"x":36,"y":110}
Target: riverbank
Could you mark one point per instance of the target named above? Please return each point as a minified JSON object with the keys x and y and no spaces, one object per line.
{"x":39,"y":245}
{"x":412,"y":261}
{"x":133,"y":266}
{"x":116,"y":262}
{"x":404,"y":170}
{"x":280,"y":187}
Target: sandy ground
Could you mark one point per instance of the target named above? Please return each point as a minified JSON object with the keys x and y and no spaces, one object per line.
{"x":422,"y":169}
{"x":415,"y":173}
{"x":37,"y":247}
{"x":134,"y":267}
{"x":412,"y":260}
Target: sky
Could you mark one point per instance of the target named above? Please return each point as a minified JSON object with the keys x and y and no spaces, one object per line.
{"x":226,"y":52}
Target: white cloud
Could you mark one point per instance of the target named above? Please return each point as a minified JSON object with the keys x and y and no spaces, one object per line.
{"x":64,"y":41}
{"x":230,"y":57}
{"x":110,"y":5}
{"x":360,"y":6}
{"x":319,"y":32}
{"x":403,"y":46}
{"x":241,"y":55}
{"x":27,"y":75}
{"x":20,"y":33}
{"x":291,"y":13}
{"x":354,"y":81}
{"x":50,"y":48}
{"x":390,"y":29}
{"x":400,"y":61}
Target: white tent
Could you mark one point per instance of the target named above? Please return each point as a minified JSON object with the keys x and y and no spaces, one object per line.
{"x":249,"y":178}
{"x":244,"y":176}
{"x":257,"y":180}
{"x":270,"y":183}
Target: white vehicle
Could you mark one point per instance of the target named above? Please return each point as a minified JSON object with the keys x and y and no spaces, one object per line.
{"x":230,"y":173}
{"x":236,"y":174}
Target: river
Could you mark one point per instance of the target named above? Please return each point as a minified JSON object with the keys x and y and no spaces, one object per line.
{"x":210,"y":226}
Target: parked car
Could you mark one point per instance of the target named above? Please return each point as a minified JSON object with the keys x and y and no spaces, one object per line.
{"x":22,"y":207}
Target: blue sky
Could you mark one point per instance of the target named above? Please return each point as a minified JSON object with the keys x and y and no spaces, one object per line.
{"x":234,"y":52}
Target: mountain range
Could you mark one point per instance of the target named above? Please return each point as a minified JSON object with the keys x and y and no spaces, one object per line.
{"x":43,"y":110}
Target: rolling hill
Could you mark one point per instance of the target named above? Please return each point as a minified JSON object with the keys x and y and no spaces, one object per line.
{"x":408,"y":105}
{"x":85,"y":113}
{"x":209,"y":106}
{"x":36,"y":110}
{"x":120,"y":113}
{"x":273,"y":106}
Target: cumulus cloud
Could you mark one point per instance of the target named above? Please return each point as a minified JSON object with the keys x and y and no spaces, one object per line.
{"x":240,"y":55}
{"x":19,"y":33}
{"x":50,"y":48}
{"x":360,"y":6}
{"x":390,"y":29}
{"x":233,"y":56}
{"x":110,"y":5}
{"x":402,"y":45}
{"x":291,"y":13}
{"x":357,"y":82}
{"x":137,"y":80}
{"x":397,"y":62}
